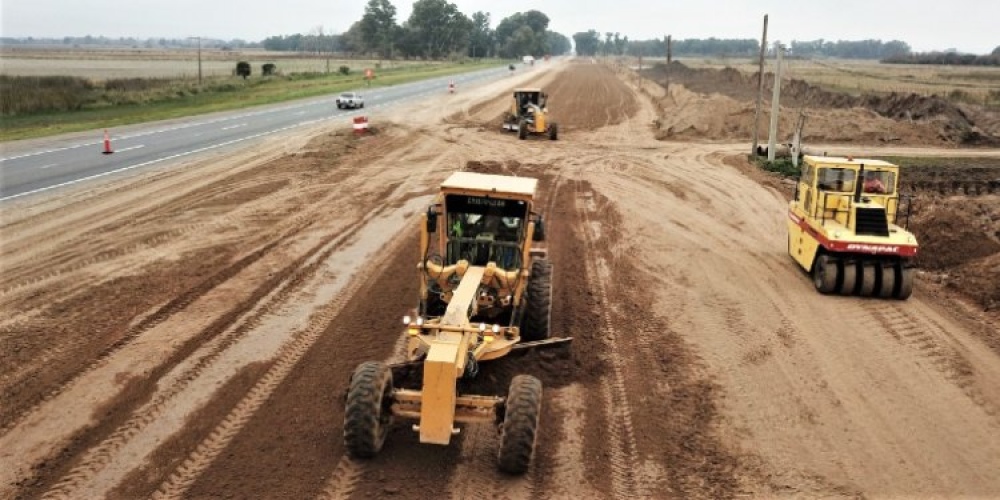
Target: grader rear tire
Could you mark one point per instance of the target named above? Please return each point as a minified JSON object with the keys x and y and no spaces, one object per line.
{"x":825,"y":274}
{"x":554,"y":132}
{"x":849,"y":271}
{"x":522,"y":130}
{"x":519,"y":430}
{"x":538,"y":315}
{"x":369,"y":409}
{"x":904,"y":282}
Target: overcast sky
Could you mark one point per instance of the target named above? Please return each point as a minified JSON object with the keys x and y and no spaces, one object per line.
{"x":966,"y":25}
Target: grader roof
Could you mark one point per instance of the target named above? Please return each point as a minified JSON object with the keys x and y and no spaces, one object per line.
{"x":487,"y":183}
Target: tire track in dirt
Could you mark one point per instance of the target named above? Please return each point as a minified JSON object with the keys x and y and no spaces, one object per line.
{"x":338,"y":337}
{"x":277,"y":290}
{"x":624,"y":455}
{"x":73,"y":344}
{"x":109,"y":424}
{"x":916,"y":329}
{"x":90,"y":467}
{"x":299,"y":220}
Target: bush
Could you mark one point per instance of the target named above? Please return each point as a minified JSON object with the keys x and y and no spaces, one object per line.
{"x":243,"y":69}
{"x":344,"y":70}
{"x":781,"y":166}
{"x":268,"y":69}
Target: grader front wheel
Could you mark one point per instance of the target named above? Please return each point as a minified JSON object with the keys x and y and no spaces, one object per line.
{"x":520,"y":424}
{"x":368,"y":415}
{"x":538,"y":315}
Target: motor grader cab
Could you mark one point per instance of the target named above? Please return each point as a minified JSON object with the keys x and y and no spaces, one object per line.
{"x":485,"y":290}
{"x":528,"y":115}
{"x":844,"y":228}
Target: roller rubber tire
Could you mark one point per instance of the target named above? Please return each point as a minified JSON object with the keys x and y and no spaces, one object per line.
{"x":538,"y":315}
{"x":887,"y":281}
{"x":368,"y":415}
{"x":904,"y":282}
{"x":519,"y":429}
{"x":522,"y":130}
{"x":825,"y":274}
{"x":867,"y":288}
{"x":849,"y":271}
{"x":554,"y":132}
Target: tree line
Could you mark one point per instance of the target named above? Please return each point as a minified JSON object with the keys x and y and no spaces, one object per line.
{"x":591,"y":43}
{"x":130,"y":42}
{"x":946,"y":58}
{"x":436,"y":29}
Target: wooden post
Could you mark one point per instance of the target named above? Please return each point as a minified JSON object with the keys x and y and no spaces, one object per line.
{"x":760,"y":90}
{"x":797,"y":141}
{"x":775,"y":97}
{"x":666,"y":84}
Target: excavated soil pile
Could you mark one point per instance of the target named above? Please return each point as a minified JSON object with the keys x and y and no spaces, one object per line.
{"x":873,"y":118}
{"x":956,"y":218}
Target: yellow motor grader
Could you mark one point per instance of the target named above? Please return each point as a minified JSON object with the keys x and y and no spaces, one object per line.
{"x":485,"y":291}
{"x":529,"y":115}
{"x":843,"y":228}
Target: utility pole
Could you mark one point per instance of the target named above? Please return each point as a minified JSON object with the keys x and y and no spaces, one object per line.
{"x":666,"y":84}
{"x":199,"y":56}
{"x":773,"y":130}
{"x":760,"y":90}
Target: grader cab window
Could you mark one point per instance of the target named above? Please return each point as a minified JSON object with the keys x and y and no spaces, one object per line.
{"x":836,"y":179}
{"x":483,"y":230}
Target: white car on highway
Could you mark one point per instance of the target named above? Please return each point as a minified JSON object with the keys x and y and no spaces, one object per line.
{"x":351,"y":100}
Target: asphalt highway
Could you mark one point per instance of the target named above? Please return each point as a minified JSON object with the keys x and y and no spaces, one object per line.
{"x":41,"y":166}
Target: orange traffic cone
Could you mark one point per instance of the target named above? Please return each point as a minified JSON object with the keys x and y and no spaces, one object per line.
{"x":107,"y":143}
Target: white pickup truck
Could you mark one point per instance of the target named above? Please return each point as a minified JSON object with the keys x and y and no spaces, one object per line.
{"x":350,"y":100}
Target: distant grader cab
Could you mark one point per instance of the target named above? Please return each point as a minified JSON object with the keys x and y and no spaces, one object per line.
{"x":485,"y":291}
{"x":843,"y":228}
{"x":528,"y":115}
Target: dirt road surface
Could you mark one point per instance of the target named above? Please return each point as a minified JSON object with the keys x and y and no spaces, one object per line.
{"x":189,"y":333}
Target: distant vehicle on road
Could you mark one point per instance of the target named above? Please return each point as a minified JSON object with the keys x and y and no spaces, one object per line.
{"x":351,"y":100}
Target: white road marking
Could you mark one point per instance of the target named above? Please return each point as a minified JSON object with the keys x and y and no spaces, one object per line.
{"x":129,"y":148}
{"x":150,"y":162}
{"x":234,"y":126}
{"x":50,"y":165}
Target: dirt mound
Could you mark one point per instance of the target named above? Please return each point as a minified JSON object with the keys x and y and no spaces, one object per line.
{"x":955,"y":231}
{"x":903,"y":118}
{"x":690,"y":115}
{"x":588,"y":97}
